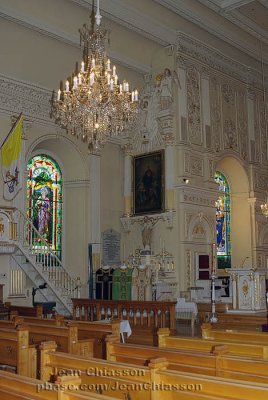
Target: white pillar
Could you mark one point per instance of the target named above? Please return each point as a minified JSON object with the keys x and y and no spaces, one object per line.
{"x":182,"y":104}
{"x":234,"y":291}
{"x":205,"y":110}
{"x":94,"y":171}
{"x":127,"y":180}
{"x":169,"y":178}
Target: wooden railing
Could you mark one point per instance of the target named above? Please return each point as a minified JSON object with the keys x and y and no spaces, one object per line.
{"x":144,"y":314}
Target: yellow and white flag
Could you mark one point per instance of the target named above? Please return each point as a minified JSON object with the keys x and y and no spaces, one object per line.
{"x":12,"y":162}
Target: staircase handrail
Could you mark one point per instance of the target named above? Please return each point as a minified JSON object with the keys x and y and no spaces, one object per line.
{"x":47,"y":245}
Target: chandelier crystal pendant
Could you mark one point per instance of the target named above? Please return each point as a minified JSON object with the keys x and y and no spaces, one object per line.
{"x":95,"y":105}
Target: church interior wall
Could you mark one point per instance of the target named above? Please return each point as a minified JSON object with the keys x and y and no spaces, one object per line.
{"x":217,"y":124}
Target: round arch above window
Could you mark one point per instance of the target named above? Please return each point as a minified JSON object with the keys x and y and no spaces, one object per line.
{"x":223,"y":222}
{"x":44,"y":200}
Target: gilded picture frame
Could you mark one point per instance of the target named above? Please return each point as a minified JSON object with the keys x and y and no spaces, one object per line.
{"x":148,"y":183}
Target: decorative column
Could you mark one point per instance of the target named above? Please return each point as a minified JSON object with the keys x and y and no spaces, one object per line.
{"x":94,"y":216}
{"x":234,"y":292}
{"x":252,"y":201}
{"x":182,"y":102}
{"x":166,"y":119}
{"x":213,"y":318}
{"x":127,"y":180}
{"x":205,"y":101}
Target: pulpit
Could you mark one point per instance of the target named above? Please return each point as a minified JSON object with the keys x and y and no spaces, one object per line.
{"x":248,"y":288}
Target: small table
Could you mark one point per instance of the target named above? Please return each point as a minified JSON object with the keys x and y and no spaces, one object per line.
{"x":125,"y":328}
{"x":187,"y":311}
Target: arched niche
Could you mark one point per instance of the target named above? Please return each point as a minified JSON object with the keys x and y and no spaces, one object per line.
{"x":67,"y":155}
{"x":200,"y":230}
{"x":241,"y":234}
{"x":76,"y":205}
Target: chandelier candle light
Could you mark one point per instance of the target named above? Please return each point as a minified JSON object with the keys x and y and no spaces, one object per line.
{"x":95,"y":105}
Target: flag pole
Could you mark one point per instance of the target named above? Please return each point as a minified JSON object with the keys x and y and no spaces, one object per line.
{"x":11,"y":130}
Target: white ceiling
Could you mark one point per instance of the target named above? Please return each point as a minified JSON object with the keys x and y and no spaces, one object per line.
{"x":249,"y":15}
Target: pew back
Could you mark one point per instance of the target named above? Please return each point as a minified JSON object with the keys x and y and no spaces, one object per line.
{"x":240,"y":349}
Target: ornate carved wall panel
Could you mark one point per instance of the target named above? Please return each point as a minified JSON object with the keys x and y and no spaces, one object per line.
{"x":230,"y":137}
{"x":17,"y":97}
{"x":263,"y":129}
{"x":242,"y":123}
{"x":215,"y":113}
{"x":194,"y":106}
{"x":257,"y":131}
{"x":193,"y":165}
{"x":260,"y":181}
{"x":188,"y":268}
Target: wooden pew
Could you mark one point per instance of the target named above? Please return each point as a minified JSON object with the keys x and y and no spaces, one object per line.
{"x":16,"y":387}
{"x":153,"y":382}
{"x":57,"y":320}
{"x":65,"y":337}
{"x":36,"y":311}
{"x":239,"y":349}
{"x":215,"y":363}
{"x":99,"y":330}
{"x":209,"y":332}
{"x":16,"y":352}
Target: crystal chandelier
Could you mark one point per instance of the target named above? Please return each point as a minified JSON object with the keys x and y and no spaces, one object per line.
{"x":95,"y":105}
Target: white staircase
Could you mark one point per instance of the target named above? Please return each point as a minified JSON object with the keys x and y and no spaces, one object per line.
{"x":41,"y":265}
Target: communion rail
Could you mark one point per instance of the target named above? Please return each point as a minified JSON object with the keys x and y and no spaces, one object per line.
{"x":140,"y":314}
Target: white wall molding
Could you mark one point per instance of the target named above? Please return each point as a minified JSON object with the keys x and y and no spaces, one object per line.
{"x":77,"y":184}
{"x":248,"y":25}
{"x":188,"y":11}
{"x":32,"y":100}
{"x":203,"y":54}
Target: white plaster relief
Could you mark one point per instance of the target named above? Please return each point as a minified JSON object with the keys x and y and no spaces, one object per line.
{"x":257,"y":130}
{"x":215,"y":112}
{"x":17,"y":97}
{"x":260,"y":181}
{"x":217,"y":61}
{"x":198,"y":200}
{"x":196,"y":166}
{"x":194,"y":106}
{"x":242,"y":124}
{"x":229,"y":117}
{"x":154,"y":126}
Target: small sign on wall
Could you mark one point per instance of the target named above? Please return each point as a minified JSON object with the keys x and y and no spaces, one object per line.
{"x":111,"y":247}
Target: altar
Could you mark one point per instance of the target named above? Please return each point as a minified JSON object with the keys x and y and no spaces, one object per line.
{"x":248,"y":288}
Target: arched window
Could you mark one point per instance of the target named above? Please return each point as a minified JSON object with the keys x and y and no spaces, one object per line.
{"x":223,"y":222}
{"x":44,"y":199}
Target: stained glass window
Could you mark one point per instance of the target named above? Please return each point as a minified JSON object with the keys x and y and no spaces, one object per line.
{"x":44,"y":199}
{"x":223,"y":222}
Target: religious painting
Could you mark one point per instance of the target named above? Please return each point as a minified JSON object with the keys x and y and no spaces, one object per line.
{"x":44,"y":201}
{"x":148,"y":183}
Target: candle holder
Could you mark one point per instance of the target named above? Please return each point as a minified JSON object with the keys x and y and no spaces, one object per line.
{"x":213,"y":319}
